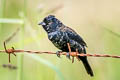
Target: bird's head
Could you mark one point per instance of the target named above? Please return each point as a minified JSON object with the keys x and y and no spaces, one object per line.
{"x":50,"y":23}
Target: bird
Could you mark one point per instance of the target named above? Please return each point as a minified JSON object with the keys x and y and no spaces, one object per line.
{"x":60,"y":34}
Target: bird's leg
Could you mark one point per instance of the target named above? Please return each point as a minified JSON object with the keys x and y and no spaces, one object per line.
{"x":68,"y":55}
{"x":58,"y":53}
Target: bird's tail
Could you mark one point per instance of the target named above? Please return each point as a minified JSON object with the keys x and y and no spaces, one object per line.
{"x":87,"y":67}
{"x":86,"y":64}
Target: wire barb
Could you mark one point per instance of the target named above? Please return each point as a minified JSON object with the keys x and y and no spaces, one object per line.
{"x":9,"y":51}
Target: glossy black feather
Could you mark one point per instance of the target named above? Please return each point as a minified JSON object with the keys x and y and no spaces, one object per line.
{"x":60,"y":35}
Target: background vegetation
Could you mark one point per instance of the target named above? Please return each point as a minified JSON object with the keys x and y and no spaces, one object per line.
{"x":95,"y":20}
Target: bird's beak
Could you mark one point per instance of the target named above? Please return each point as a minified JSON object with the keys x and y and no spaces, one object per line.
{"x":42,"y":23}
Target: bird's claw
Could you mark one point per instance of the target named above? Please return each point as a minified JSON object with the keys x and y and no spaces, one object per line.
{"x":58,"y":53}
{"x":68,"y":55}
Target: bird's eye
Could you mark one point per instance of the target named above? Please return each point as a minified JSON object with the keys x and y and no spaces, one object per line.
{"x":46,"y":20}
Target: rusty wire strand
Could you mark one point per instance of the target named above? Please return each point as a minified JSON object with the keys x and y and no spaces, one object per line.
{"x":73,"y":54}
{"x":63,"y":53}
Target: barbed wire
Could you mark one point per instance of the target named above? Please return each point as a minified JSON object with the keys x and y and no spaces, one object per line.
{"x":73,"y":54}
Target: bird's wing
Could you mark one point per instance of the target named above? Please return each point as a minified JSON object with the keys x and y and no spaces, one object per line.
{"x":74,"y":36}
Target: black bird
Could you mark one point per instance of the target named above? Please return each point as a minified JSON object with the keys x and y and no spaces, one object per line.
{"x":60,"y":35}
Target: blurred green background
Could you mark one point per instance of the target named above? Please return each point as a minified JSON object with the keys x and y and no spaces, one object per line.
{"x":97,"y":21}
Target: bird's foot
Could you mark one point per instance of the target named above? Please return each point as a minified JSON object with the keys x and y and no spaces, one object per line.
{"x":58,"y":53}
{"x":68,"y":55}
